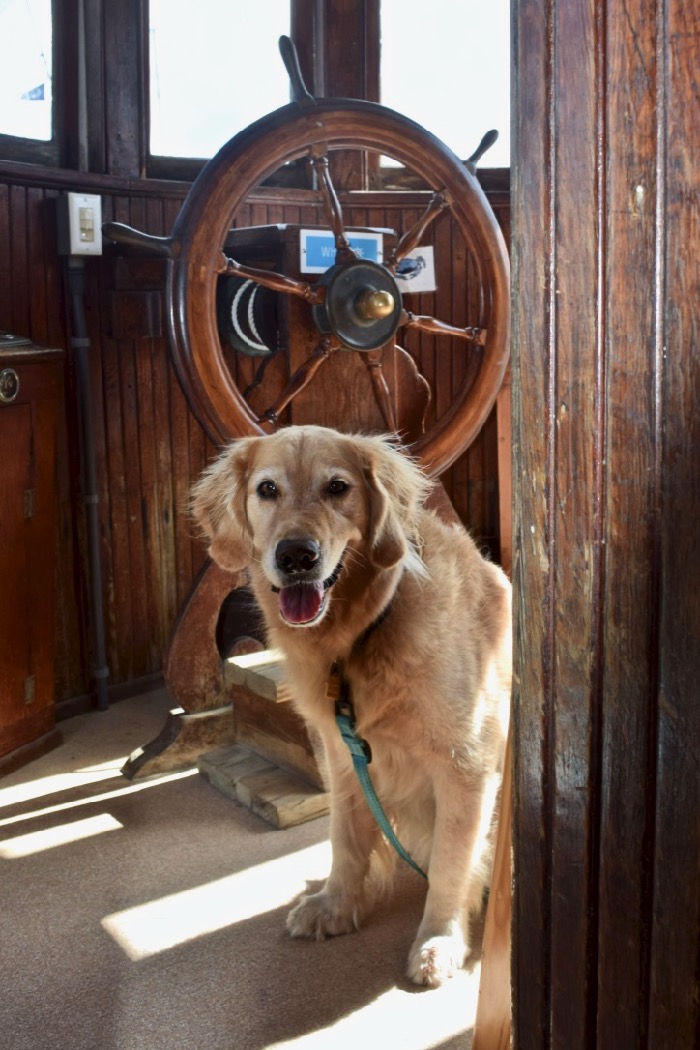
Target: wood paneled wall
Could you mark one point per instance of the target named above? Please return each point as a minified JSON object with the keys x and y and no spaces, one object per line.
{"x":606,"y":383}
{"x":149,"y":447}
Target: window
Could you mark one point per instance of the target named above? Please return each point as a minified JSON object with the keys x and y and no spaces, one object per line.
{"x":215,"y":67}
{"x":26,"y":69}
{"x":446,"y":65}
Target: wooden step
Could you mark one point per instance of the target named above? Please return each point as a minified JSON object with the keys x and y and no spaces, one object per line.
{"x":262,"y":673}
{"x":279,"y":797}
{"x":263,"y":719}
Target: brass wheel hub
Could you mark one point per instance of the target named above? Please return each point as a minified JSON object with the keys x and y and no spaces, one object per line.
{"x":362,"y":305}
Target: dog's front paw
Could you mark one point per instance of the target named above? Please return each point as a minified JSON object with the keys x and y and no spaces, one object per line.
{"x":323,"y":914}
{"x":435,"y":960}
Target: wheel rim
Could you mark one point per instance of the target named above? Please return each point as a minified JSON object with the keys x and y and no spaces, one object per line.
{"x":222,"y":188}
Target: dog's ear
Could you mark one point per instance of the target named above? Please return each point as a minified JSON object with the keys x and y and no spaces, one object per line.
{"x":397,"y":488}
{"x":218,"y":507}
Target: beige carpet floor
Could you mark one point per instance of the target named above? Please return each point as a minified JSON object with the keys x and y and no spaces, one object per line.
{"x":150,"y":916}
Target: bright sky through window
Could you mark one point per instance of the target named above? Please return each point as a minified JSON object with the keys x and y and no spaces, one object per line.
{"x":215,"y":67}
{"x":25,"y":69}
{"x":446,"y":65}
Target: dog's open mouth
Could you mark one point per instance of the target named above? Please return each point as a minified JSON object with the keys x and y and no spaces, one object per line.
{"x":302,"y":603}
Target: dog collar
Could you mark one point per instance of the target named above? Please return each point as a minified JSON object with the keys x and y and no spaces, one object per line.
{"x":368,"y":631}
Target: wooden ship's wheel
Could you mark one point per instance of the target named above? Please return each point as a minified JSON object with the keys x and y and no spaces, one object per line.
{"x":355,"y":308}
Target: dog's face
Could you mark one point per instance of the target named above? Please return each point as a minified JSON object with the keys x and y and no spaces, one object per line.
{"x":300,"y":504}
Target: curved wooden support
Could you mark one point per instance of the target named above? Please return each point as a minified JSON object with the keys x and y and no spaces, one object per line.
{"x":193,"y":671}
{"x":373,"y":360}
{"x":412,"y":396}
{"x":202,"y":717}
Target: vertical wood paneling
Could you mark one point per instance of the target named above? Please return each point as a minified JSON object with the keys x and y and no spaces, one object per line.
{"x":52,"y":272}
{"x":530,"y":339}
{"x":572,"y":418}
{"x":674,"y":989}
{"x":631,"y":521}
{"x":116,"y":553}
{"x":131,"y":586}
{"x":20,"y":278}
{"x":6,"y":255}
{"x":36,"y":249}
{"x":606,"y":497}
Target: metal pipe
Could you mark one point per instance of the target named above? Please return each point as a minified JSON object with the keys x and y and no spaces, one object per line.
{"x":80,"y":345}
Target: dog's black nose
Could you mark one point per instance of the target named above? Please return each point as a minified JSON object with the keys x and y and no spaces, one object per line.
{"x":296,"y":557}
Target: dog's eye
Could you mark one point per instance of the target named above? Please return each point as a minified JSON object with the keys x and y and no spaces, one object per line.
{"x":267,"y":490}
{"x":337,"y":487}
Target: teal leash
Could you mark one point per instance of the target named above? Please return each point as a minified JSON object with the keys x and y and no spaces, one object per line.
{"x":339,"y":691}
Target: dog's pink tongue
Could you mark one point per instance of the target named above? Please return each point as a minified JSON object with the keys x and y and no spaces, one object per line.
{"x":301,"y":602}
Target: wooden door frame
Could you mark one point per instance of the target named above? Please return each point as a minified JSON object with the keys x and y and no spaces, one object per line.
{"x":606,"y":442}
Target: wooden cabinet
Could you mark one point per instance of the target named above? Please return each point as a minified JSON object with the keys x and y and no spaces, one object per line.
{"x":31,"y":398}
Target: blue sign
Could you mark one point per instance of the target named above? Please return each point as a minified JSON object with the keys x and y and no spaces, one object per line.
{"x":318,"y":249}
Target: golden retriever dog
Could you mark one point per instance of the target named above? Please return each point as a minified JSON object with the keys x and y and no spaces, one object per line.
{"x":356,"y":577}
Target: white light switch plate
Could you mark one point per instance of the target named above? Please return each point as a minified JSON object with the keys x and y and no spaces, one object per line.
{"x":79,"y":224}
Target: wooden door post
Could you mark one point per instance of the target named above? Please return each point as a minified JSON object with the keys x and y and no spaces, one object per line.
{"x":606,"y":544}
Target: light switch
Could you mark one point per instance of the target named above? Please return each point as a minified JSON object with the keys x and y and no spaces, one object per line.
{"x":79,"y":224}
{"x":86,"y":224}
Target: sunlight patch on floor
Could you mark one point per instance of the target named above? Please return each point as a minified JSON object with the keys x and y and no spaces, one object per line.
{"x":62,"y":835}
{"x":51,"y":785}
{"x":159,"y":925}
{"x":452,"y":1012}
{"x":129,"y":789}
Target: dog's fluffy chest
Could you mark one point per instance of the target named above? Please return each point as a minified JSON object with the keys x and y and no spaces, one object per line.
{"x":394,"y":708}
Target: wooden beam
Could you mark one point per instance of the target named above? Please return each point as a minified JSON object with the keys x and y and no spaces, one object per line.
{"x":492,"y":1028}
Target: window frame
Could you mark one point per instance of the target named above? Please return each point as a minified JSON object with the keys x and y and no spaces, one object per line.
{"x":100,"y":104}
{"x":61,"y":149}
{"x":327,"y":72}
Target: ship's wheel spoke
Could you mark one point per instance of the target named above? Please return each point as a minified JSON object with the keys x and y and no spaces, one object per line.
{"x":278,"y":282}
{"x":435,"y":327}
{"x":343,"y":252}
{"x":382,"y":394}
{"x":301,"y":379}
{"x":411,"y":239}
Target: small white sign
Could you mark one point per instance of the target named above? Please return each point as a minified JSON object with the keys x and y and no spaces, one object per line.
{"x":416,"y":271}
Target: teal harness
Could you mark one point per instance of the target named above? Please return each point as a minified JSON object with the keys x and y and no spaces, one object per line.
{"x":338,"y":690}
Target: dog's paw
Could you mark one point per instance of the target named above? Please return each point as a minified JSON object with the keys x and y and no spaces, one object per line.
{"x":322,"y":915}
{"x":435,"y":960}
